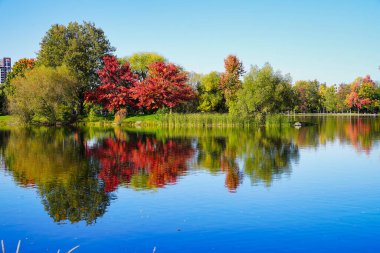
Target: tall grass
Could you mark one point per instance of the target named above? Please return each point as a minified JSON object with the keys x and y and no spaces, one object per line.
{"x":204,"y":120}
{"x":209,"y":120}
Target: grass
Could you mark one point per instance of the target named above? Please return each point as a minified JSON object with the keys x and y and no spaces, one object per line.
{"x":8,"y":120}
{"x":152,"y":119}
{"x":186,"y":120}
{"x":198,"y":120}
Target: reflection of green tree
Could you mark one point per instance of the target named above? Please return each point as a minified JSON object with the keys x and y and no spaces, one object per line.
{"x":265,"y":154}
{"x":269,"y":157}
{"x":81,"y":198}
{"x":53,"y":160}
{"x":360,"y":132}
{"x":56,"y":160}
{"x":210,"y":151}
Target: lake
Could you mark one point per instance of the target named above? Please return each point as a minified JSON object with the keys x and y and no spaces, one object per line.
{"x":278,"y":189}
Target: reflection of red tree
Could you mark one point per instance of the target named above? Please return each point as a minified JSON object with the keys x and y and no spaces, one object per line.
{"x":120,"y":160}
{"x":233,"y":175}
{"x":357,"y":132}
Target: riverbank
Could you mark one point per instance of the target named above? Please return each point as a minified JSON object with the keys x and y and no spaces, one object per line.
{"x":209,"y":120}
{"x":188,"y":120}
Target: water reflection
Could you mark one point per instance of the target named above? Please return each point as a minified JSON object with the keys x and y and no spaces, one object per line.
{"x":77,"y":171}
{"x":53,"y":161}
{"x":139,"y":160}
{"x":260,"y":154}
{"x":362,"y":133}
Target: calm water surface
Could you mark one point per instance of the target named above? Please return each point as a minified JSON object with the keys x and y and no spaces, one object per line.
{"x":314,"y":189}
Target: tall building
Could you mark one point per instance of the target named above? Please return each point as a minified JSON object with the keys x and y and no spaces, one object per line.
{"x":5,"y":68}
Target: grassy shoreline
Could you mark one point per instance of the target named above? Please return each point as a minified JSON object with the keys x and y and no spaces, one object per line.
{"x":187,"y":120}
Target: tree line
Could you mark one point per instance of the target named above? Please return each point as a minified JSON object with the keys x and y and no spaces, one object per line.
{"x":76,"y":74}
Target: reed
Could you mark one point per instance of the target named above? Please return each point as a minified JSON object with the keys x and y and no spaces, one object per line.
{"x":19,"y":245}
{"x":220,"y":120}
{"x":196,"y":120}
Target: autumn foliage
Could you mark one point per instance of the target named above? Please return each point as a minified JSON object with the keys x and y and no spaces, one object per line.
{"x":117,"y":80}
{"x":157,"y":163}
{"x":164,"y":86}
{"x":19,"y":68}
{"x":230,"y":79}
{"x":358,"y":98}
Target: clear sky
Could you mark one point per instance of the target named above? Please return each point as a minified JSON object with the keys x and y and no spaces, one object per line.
{"x":332,"y":41}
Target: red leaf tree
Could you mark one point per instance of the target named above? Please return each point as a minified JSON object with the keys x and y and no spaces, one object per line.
{"x":165,"y":86}
{"x":117,"y":80}
{"x":358,"y":98}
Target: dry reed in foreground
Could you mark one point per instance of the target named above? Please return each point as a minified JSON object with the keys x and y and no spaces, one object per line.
{"x":19,"y":244}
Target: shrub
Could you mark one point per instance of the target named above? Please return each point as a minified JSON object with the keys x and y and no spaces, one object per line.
{"x":48,"y":93}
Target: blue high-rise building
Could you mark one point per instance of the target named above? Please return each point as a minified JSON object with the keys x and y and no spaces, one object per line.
{"x":5,"y":68}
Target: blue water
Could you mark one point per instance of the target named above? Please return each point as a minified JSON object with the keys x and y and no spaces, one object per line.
{"x":327,"y":199}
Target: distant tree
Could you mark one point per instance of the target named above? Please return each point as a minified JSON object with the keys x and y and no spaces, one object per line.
{"x":81,"y":47}
{"x":308,"y":96}
{"x":363,"y":95}
{"x":341,"y":94}
{"x":117,"y":80}
{"x":210,"y":94}
{"x":140,"y":62}
{"x":322,"y":97}
{"x":165,"y":86}
{"x":264,"y":91}
{"x":230,"y":79}
{"x":330,"y":101}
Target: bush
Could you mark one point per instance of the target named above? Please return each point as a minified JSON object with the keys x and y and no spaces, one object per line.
{"x":46,"y":93}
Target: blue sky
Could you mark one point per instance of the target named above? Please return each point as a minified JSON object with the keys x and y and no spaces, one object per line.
{"x":332,"y":41}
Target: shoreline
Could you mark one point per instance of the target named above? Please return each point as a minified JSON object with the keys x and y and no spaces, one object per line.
{"x":181,"y":120}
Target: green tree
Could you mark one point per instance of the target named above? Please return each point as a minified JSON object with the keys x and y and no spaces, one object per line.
{"x":210,"y":94}
{"x":322,"y":97}
{"x":81,"y":47}
{"x":264,"y":91}
{"x":140,"y":62}
{"x":330,"y":101}
{"x":49,"y":94}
